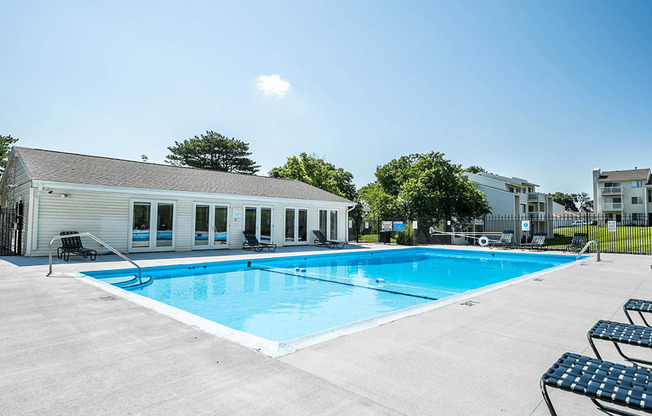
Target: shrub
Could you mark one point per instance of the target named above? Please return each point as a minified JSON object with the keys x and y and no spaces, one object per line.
{"x":404,"y":239}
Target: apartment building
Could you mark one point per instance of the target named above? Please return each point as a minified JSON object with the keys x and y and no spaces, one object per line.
{"x":517,"y":198}
{"x":623,"y":195}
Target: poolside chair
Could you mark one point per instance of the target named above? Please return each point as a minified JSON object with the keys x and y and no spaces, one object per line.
{"x":251,"y":241}
{"x":321,"y":240}
{"x":625,"y":386}
{"x":73,"y":245}
{"x":506,"y":240}
{"x":538,"y":241}
{"x":620,"y":333}
{"x":637,"y":305}
{"x":578,"y":242}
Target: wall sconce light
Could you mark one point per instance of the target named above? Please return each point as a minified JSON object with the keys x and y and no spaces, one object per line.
{"x":64,"y":195}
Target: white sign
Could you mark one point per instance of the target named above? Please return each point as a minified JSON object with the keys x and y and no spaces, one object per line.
{"x":525,"y":225}
{"x":350,"y":223}
{"x":611,"y":226}
{"x":415,"y":225}
{"x":237,"y":215}
{"x":386,"y":226}
{"x":366,"y":225}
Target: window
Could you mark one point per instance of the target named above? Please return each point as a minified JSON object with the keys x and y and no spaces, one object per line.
{"x":611,"y":184}
{"x":323,"y":221}
{"x":637,"y":184}
{"x":211,"y":226}
{"x":152,"y":226}
{"x":333,"y":227}
{"x":637,"y":200}
{"x":638,"y":217}
{"x":296,"y":225}
{"x":649,"y":196}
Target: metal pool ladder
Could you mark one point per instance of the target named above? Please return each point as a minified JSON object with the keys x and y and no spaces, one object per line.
{"x":586,"y":247}
{"x":137,"y":277}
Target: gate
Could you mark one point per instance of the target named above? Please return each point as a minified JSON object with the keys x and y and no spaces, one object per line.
{"x":11,"y":230}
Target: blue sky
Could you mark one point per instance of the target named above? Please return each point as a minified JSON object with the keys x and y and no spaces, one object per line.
{"x":545,"y":90}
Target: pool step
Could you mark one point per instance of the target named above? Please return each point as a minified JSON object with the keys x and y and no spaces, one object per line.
{"x":134,"y":283}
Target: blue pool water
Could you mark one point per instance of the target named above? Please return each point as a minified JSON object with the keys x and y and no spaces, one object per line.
{"x":285,"y":298}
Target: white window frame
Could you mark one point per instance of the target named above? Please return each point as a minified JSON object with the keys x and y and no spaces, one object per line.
{"x":296,"y":241}
{"x":211,"y":226}
{"x":639,"y":200}
{"x":258,"y":219}
{"x":152,"y":230}
{"x":637,"y":184}
{"x":328,"y":222}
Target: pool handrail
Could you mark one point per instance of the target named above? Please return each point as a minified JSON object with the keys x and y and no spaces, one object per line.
{"x":586,"y":246}
{"x":102,"y":243}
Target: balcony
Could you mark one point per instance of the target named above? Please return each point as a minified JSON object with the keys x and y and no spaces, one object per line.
{"x":537,"y":215}
{"x":536,"y":197}
{"x":612,"y":206}
{"x":612,"y":190}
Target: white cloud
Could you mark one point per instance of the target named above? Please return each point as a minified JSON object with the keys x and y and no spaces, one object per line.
{"x":273,"y":85}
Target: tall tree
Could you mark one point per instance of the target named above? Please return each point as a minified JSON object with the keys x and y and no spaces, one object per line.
{"x":566,"y":200}
{"x":475,"y":169}
{"x":213,"y":151}
{"x":427,"y":188}
{"x":316,"y":172}
{"x":5,"y":148}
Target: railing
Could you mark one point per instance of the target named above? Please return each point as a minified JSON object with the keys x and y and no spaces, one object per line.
{"x":536,"y":196}
{"x":612,"y":190}
{"x":586,"y":246}
{"x":59,"y":237}
{"x":614,"y":206}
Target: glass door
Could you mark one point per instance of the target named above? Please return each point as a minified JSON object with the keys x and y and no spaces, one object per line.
{"x":141,"y":224}
{"x":164,"y":225}
{"x":202,"y":224}
{"x":296,"y":225}
{"x":289,"y":225}
{"x":147,"y":216}
{"x":265,"y":225}
{"x":302,"y":229}
{"x":250,"y":221}
{"x":333,"y":225}
{"x":220,"y":226}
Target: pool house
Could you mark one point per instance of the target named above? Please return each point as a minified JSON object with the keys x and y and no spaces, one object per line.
{"x":147,"y":207}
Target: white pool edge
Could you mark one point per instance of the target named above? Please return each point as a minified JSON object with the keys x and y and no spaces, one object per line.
{"x":276,"y":349}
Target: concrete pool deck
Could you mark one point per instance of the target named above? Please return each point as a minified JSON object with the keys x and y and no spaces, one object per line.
{"x":67,"y":347}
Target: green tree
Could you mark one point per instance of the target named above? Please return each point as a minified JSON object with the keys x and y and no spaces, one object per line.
{"x":213,"y":151}
{"x":475,"y":169}
{"x":428,"y":188}
{"x":566,"y":200}
{"x":5,"y":148}
{"x":318,"y":173}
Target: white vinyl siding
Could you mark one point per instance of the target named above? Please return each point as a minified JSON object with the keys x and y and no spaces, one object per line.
{"x":106,"y":215}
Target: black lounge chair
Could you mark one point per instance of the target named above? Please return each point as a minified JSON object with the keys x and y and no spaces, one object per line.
{"x":620,"y":333}
{"x":506,"y":240}
{"x":637,"y":305}
{"x":251,"y":241}
{"x":73,"y":245}
{"x":538,"y":241}
{"x":578,"y":242}
{"x":626,"y":386}
{"x":321,"y":241}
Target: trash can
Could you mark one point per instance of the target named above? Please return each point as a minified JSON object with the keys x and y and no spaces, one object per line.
{"x":385,"y":237}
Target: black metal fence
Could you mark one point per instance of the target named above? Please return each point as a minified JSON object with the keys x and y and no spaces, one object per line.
{"x":11,"y":225}
{"x":616,"y":233}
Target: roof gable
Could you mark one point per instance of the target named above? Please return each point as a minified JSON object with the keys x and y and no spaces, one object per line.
{"x":52,"y":166}
{"x":625,"y":175}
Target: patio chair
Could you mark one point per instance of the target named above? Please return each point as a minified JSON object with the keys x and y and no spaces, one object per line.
{"x":321,"y":240}
{"x":251,"y":241}
{"x":73,"y":245}
{"x":506,"y":240}
{"x":625,"y":386}
{"x":620,"y":333}
{"x":578,"y":242}
{"x":538,"y":241}
{"x":637,"y":305}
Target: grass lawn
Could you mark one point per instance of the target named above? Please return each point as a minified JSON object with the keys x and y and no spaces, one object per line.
{"x":626,"y":239}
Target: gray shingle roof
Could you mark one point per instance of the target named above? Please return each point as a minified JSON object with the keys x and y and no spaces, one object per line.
{"x":624,"y":175}
{"x":52,"y":166}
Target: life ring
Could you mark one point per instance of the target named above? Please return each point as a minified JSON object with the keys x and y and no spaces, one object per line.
{"x":483,"y":241}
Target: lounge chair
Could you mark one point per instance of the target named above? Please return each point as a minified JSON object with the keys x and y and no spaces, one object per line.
{"x":626,"y":386}
{"x":538,"y":241}
{"x":637,"y":305}
{"x":620,"y":333}
{"x":506,"y":240}
{"x":73,"y":245}
{"x":251,"y":241}
{"x":578,"y":242}
{"x":321,"y":240}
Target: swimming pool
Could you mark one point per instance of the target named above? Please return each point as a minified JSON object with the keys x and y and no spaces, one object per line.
{"x":283,"y":299}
